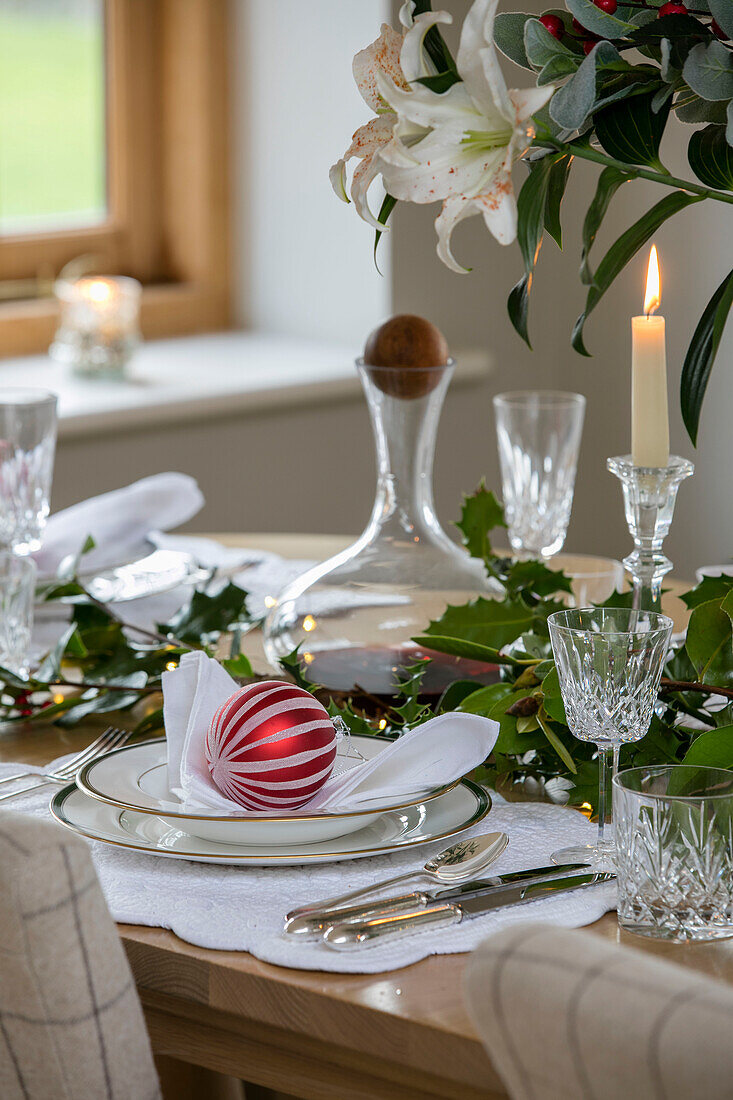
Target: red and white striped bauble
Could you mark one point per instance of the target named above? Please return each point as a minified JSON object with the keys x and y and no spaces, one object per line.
{"x":271,"y":746}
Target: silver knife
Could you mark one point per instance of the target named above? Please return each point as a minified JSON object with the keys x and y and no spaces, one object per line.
{"x":310,"y":925}
{"x":451,"y":907}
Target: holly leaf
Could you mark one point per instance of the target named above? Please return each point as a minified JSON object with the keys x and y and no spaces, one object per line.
{"x":490,"y":623}
{"x":708,"y":643}
{"x":206,"y":616}
{"x":481,"y":513}
{"x":709,"y":588}
{"x":712,"y":750}
{"x":239,"y":667}
{"x":294,"y":665}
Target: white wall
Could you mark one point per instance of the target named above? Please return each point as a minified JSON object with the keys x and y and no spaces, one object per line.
{"x":304,"y":260}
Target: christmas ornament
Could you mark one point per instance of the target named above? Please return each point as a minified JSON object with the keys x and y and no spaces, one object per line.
{"x":271,"y":746}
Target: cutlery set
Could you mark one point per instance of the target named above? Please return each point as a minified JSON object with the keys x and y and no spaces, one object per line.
{"x":342,"y":925}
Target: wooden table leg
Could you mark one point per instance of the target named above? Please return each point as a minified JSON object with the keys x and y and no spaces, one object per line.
{"x":183,"y":1081}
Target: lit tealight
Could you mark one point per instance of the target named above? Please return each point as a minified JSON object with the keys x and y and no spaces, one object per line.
{"x":96,"y":290}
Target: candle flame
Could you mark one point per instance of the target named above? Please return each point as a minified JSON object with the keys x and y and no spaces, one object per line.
{"x":653,"y":296}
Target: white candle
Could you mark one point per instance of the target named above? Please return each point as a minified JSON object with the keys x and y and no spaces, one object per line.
{"x":649,"y":415}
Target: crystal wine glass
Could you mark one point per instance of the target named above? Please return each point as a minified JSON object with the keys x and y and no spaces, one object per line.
{"x":538,"y":434}
{"x":609,"y":663}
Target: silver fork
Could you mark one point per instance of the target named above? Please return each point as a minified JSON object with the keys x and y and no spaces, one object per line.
{"x":111,"y":738}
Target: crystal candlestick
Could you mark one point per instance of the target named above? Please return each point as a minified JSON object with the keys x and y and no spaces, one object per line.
{"x":649,"y":499}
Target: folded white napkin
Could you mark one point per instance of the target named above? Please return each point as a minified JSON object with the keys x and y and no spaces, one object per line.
{"x":119,"y":522}
{"x":438,"y":752}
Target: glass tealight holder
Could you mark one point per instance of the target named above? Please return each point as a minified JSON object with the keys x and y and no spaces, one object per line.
{"x":99,"y":326}
{"x":650,"y":494}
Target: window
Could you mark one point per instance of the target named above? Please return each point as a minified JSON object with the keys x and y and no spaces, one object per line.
{"x":113,"y":145}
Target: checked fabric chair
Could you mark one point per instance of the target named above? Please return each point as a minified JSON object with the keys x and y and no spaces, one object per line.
{"x":567,"y":1016}
{"x":71,"y":1025}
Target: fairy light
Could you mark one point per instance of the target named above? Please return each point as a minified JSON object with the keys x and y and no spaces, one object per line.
{"x":309,"y":623}
{"x":171,"y":666}
{"x":270,"y":601}
{"x":58,"y":698}
{"x":382,"y":723}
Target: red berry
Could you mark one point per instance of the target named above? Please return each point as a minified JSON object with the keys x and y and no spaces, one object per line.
{"x":609,"y":6}
{"x":579,"y":27}
{"x":589,"y":44}
{"x":718,"y":31}
{"x":554,"y":24}
{"x":671,"y":9}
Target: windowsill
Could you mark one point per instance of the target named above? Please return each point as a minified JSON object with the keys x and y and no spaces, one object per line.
{"x":194,"y":377}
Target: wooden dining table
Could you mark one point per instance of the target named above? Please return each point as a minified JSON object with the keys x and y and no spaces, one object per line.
{"x":218,"y":1017}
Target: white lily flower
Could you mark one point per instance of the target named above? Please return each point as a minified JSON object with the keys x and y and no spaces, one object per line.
{"x":398,"y":58}
{"x":475,"y":131}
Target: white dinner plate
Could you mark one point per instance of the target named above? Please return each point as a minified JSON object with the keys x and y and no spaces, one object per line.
{"x":453,"y":812}
{"x":135,"y":778}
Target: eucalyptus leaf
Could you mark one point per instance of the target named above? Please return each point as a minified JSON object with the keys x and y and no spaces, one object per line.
{"x":571,"y":104}
{"x":624,"y":249}
{"x":542,"y":47}
{"x":729,"y":123}
{"x":722,"y":13}
{"x":692,"y":109}
{"x":599,"y":22}
{"x":509,"y":36}
{"x":711,"y":157}
{"x":701,"y":355}
{"x":708,"y":70}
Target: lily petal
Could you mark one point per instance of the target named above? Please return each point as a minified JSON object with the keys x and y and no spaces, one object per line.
{"x":337,"y":176}
{"x":454,"y":211}
{"x":371,"y":136}
{"x":482,"y":75}
{"x":426,"y":108}
{"x":413,"y":59}
{"x":528,"y":101}
{"x":362,"y":180}
{"x":436,"y":169}
{"x":381,"y":56}
{"x":499,"y":209}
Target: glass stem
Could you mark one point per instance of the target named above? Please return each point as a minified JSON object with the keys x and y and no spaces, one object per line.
{"x":604,"y":784}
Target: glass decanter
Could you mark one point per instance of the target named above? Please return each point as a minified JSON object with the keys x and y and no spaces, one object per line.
{"x":355,"y":614}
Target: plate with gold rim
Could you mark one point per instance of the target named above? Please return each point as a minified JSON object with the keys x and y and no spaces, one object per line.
{"x":135,"y":779}
{"x":446,"y":815}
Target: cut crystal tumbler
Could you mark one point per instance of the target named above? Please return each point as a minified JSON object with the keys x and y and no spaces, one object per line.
{"x":674,"y":860}
{"x":354,"y":615}
{"x":27,"y":447}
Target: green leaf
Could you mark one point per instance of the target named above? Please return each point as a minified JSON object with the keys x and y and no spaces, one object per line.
{"x":481,"y":513}
{"x":536,"y":578}
{"x":632,"y":131}
{"x":552,"y":697}
{"x":491,"y":623}
{"x":708,"y":70}
{"x":722,"y":13}
{"x":556,"y":743}
{"x":598,"y":22}
{"x":692,"y":109}
{"x":388,"y":205}
{"x":701,"y":355}
{"x":712,"y":750}
{"x":609,"y":182}
{"x":530,"y":227}
{"x":439,"y":82}
{"x":679,"y":32}
{"x":518,"y":307}
{"x":239,"y":666}
{"x":711,"y":157}
{"x":293,"y":665}
{"x":454,"y":695}
{"x":509,"y":36}
{"x":150,"y":723}
{"x":624,"y":249}
{"x":708,"y":643}
{"x":559,"y":174}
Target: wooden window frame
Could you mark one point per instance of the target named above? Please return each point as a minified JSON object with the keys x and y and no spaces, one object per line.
{"x":167,"y":180}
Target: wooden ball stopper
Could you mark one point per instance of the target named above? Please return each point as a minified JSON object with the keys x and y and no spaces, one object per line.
{"x":405,"y":346}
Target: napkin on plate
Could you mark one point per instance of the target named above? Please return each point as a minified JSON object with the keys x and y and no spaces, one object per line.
{"x":437,"y":752}
{"x":119,"y":522}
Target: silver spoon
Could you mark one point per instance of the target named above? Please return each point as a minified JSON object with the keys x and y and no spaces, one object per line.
{"x":453,"y":866}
